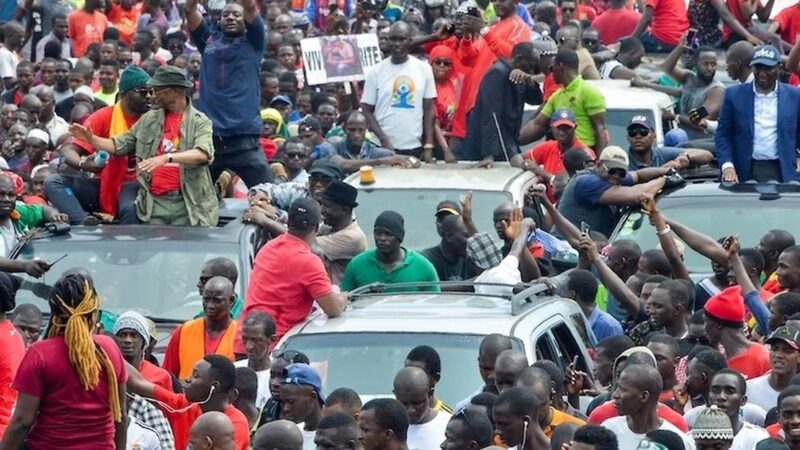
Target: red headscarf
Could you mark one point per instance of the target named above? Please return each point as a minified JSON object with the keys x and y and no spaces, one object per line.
{"x":445,"y":52}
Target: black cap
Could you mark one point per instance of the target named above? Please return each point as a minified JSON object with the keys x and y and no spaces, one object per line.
{"x":341,"y":193}
{"x":448,"y":208}
{"x":328,"y":168}
{"x":309,"y":123}
{"x":304,"y":214}
{"x":391,"y":222}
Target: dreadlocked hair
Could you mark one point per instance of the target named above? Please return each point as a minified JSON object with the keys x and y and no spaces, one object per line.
{"x":74,"y":304}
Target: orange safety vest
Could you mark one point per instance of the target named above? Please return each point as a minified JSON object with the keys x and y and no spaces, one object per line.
{"x":193,"y":333}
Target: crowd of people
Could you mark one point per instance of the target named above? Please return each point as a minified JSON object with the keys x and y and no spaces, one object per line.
{"x":151,"y":112}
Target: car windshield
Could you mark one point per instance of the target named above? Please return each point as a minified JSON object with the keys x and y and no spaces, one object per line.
{"x":418,"y":206}
{"x":746,"y":216}
{"x":367,"y":362}
{"x":617,"y":124}
{"x":158,"y":279}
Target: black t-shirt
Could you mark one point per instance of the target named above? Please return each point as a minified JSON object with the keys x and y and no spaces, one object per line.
{"x":447,"y":270}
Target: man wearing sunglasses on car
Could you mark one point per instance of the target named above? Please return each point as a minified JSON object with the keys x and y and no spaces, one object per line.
{"x":644,"y":153}
{"x":593,"y":195}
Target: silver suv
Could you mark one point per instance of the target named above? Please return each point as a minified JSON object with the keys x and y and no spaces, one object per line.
{"x":364,"y":348}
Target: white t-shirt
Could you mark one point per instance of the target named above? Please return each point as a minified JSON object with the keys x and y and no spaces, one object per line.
{"x":263,"y":384}
{"x":141,"y":437}
{"x":397,"y":92}
{"x":308,"y":437}
{"x":8,"y":63}
{"x":749,"y":413}
{"x":748,"y":437}
{"x":428,"y":436}
{"x":627,"y":439}
{"x":761,"y":393}
{"x":607,"y":68}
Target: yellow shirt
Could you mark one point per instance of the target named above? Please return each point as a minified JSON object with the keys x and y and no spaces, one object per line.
{"x":559,"y":418}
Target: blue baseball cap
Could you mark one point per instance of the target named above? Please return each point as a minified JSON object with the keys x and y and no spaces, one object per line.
{"x":562,"y":117}
{"x":303,"y":375}
{"x":281,"y":99}
{"x":766,"y":55}
{"x":642,"y":121}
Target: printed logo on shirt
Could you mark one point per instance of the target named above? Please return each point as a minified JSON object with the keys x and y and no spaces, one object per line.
{"x":403,"y":93}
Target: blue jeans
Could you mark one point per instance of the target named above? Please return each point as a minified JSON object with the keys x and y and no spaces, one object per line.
{"x":653,"y":45}
{"x":242,"y":155}
{"x":78,"y":196}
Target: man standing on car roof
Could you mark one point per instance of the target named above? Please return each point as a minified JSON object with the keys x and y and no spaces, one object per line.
{"x":175,"y":186}
{"x":750,"y":143}
{"x":230,"y":72}
{"x":643,"y":151}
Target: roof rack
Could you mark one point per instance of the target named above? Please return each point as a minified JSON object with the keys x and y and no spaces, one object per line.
{"x":519,"y":301}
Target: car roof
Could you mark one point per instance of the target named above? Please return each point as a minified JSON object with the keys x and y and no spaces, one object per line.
{"x":715,"y":189}
{"x":620,"y":95}
{"x":460,"y":176}
{"x":464,"y":313}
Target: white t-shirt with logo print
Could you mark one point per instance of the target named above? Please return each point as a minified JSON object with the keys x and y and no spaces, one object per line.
{"x":397,"y":91}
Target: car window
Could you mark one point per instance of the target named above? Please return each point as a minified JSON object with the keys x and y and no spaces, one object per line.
{"x":580,"y":325}
{"x":157,"y":279}
{"x":418,"y":206}
{"x":617,"y":123}
{"x":544,"y":348}
{"x":368,"y":361}
{"x":716,"y":217}
{"x":568,"y":348}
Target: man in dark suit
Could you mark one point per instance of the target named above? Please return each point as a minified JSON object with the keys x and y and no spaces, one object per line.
{"x":758,"y":125}
{"x":494,"y":123}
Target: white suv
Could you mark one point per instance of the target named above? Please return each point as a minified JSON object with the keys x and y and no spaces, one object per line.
{"x":367,"y":345}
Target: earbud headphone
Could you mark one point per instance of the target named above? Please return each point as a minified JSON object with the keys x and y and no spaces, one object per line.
{"x":211,"y":392}
{"x":524,"y":433}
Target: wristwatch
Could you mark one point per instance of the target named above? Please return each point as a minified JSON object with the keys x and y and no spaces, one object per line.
{"x":484,"y":30}
{"x":169,"y":159}
{"x":81,"y":162}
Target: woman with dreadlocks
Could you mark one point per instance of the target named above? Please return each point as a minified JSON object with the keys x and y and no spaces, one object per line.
{"x":72,"y":384}
{"x":13,"y":348}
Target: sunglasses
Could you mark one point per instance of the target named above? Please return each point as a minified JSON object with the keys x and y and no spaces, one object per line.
{"x":695,"y":340}
{"x":295,"y":155}
{"x":443,"y":62}
{"x":567,"y":9}
{"x":292,"y":356}
{"x":615,"y":172}
{"x":590,"y":41}
{"x":638,"y":132}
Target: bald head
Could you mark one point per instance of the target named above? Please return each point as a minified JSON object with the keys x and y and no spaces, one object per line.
{"x":411,"y":379}
{"x":221,"y":285}
{"x":643,"y":377}
{"x":278,"y":435}
{"x":741,"y":51}
{"x":494,"y":344}
{"x":400,"y":28}
{"x":212,"y":431}
{"x":32,"y":104}
{"x":507,"y":368}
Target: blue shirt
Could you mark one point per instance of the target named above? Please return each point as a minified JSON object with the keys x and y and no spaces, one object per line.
{"x":230,"y":78}
{"x":658,"y":157}
{"x":589,"y":189}
{"x":321,"y":150}
{"x":604,"y":325}
{"x":368,"y":151}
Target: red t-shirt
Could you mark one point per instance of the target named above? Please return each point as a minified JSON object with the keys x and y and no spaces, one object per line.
{"x":549,"y":87}
{"x":85,"y":29}
{"x":616,"y":24}
{"x":156,"y":375}
{"x":99,"y":123}
{"x":172,"y":356}
{"x":480,"y":55}
{"x":285,"y":281}
{"x":753,"y":363}
{"x":167,"y":178}
{"x":669,"y":20}
{"x":733,"y":7}
{"x":13,"y":350}
{"x":125,"y":20}
{"x":607,"y":410}
{"x":70,"y":417}
{"x":789,"y":20}
{"x":182,"y":422}
{"x":582,"y":12}
{"x":776,"y":431}
{"x":548,"y":155}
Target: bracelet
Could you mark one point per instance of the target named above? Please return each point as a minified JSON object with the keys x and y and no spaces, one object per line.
{"x":428,"y":146}
{"x":666,"y":230}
